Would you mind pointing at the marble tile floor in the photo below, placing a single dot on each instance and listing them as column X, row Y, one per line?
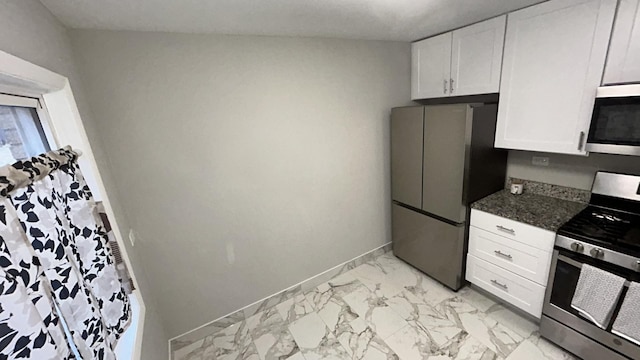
column 382, row 309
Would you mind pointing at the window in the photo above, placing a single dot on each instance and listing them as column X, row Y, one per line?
column 23, row 134
column 62, row 119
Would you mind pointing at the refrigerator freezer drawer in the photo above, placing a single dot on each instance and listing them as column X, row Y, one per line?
column 430, row 245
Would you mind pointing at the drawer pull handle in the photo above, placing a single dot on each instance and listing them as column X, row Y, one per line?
column 500, row 253
column 500, row 285
column 507, row 230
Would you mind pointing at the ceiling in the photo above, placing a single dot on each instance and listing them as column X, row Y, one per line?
column 403, row 20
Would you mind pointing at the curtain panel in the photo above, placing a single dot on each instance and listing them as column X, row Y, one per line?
column 56, row 265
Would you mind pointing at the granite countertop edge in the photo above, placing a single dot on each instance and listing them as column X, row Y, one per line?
column 541, row 211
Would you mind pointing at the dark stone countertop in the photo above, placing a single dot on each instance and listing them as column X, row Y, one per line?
column 545, row 212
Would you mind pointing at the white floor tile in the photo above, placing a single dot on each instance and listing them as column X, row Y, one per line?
column 375, row 311
column 476, row 299
column 492, row 334
column 410, row 343
column 381, row 310
column 294, row 308
column 527, row 350
column 375, row 279
column 309, row 331
column 361, row 342
column 264, row 322
column 232, row 341
column 278, row 344
column 522, row 325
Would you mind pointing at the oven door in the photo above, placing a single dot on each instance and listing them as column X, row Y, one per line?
column 563, row 279
column 615, row 123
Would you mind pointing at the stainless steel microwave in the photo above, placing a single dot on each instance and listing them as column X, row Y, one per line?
column 615, row 123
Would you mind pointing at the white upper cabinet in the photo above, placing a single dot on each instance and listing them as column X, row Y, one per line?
column 463, row 62
column 430, row 67
column 623, row 62
column 553, row 62
column 476, row 58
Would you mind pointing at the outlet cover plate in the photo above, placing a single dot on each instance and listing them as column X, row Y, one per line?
column 540, row 161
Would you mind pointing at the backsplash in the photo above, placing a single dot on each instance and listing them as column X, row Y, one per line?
column 555, row 191
column 569, row 170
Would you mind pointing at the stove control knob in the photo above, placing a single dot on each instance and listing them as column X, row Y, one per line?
column 577, row 247
column 597, row 253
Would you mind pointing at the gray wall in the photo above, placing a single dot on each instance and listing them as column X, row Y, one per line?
column 29, row 31
column 246, row 164
column 568, row 170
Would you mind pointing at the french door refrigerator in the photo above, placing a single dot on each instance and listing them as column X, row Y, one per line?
column 442, row 160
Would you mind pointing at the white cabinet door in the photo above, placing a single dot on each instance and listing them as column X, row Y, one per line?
column 553, row 62
column 430, row 67
column 623, row 62
column 476, row 59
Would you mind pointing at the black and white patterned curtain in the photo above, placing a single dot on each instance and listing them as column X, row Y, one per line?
column 56, row 266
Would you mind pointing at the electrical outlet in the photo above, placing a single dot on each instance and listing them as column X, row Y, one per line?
column 132, row 237
column 540, row 161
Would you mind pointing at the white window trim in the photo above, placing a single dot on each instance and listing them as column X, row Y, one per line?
column 34, row 103
column 15, row 100
column 21, row 77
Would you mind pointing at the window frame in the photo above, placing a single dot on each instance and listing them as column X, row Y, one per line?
column 60, row 111
column 33, row 103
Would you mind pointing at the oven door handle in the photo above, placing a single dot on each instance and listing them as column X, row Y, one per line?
column 570, row 261
column 579, row 265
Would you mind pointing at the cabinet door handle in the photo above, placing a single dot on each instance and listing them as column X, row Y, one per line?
column 500, row 285
column 580, row 141
column 507, row 230
column 451, row 86
column 445, row 85
column 500, row 253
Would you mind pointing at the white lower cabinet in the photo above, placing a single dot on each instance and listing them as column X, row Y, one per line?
column 523, row 233
column 510, row 260
column 514, row 289
column 521, row 259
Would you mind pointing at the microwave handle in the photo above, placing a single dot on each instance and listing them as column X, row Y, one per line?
column 581, row 141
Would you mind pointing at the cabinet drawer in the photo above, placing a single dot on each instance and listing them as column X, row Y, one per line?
column 514, row 289
column 524, row 260
column 526, row 234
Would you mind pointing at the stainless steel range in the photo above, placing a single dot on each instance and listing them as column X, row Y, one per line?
column 605, row 235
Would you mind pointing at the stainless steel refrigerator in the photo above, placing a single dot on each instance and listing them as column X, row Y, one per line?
column 442, row 160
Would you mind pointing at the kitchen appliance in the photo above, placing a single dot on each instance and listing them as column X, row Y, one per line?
column 606, row 234
column 442, row 159
column 615, row 124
